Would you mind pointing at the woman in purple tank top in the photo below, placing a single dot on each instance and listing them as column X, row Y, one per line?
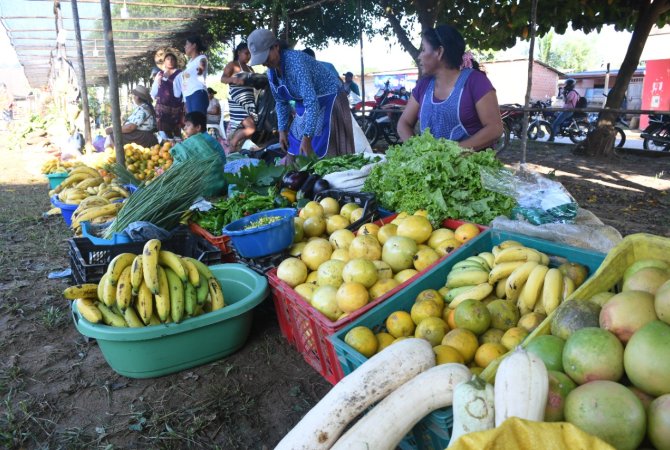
column 454, row 99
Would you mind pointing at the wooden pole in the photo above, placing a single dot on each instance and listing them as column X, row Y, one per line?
column 113, row 81
column 360, row 40
column 524, row 128
column 82, row 73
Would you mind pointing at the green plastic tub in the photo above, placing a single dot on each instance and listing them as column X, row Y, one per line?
column 55, row 179
column 159, row 350
column 434, row 430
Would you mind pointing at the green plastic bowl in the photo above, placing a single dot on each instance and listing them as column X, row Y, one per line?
column 55, row 179
column 159, row 350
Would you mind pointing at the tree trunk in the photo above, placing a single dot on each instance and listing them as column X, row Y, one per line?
column 600, row 141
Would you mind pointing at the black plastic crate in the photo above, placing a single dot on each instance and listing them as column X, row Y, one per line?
column 89, row 261
column 365, row 200
column 261, row 264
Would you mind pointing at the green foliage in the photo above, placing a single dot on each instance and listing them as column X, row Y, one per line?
column 436, row 175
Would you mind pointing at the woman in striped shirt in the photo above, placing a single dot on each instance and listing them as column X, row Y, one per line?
column 241, row 98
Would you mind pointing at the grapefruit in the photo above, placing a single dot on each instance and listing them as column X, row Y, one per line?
column 363, row 340
column 381, row 287
column 325, row 302
column 398, row 252
column 609, row 411
column 311, row 209
column 316, row 252
column 417, row 228
column 341, row 239
column 593, row 354
column 648, row 279
column 404, row 275
column 314, row 226
column 292, row 271
column 662, row 302
column 386, row 231
column 351, row 296
column 360, row 271
column 369, row 228
column 425, row 309
column 336, row 222
column 306, row 291
column 549, row 349
column 383, row 340
column 573, row 315
column 341, row 254
column 400, row 324
column 647, row 358
column 438, row 236
column 560, row 385
column 384, row 271
column 347, row 209
column 330, row 273
column 492, row 336
column 432, row 329
column 627, row 312
column 466, row 232
column 366, row 247
column 445, row 354
column 296, row 249
column 425, row 258
column 504, row 314
column 513, row 337
column 356, row 215
column 658, row 428
column 330, row 206
column 464, row 341
column 488, row 353
column 432, row 295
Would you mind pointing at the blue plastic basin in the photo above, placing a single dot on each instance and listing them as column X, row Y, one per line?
column 66, row 209
column 117, row 238
column 264, row 240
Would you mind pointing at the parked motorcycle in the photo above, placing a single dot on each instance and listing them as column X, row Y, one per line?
column 383, row 117
column 657, row 134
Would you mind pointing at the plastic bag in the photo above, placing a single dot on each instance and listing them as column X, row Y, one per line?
column 586, row 231
column 143, row 231
column 361, row 143
column 521, row 434
column 540, row 200
column 352, row 180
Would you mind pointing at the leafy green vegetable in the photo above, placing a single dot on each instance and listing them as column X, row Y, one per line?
column 256, row 178
column 340, row 163
column 436, row 175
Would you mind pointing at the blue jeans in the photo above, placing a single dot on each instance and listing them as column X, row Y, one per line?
column 562, row 117
column 197, row 101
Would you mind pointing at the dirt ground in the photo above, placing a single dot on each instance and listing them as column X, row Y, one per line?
column 59, row 392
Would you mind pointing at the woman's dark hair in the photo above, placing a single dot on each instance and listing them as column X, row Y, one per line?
column 236, row 53
column 195, row 39
column 310, row 52
column 283, row 44
column 451, row 41
column 150, row 106
column 198, row 119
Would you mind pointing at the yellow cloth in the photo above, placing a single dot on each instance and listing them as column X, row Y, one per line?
column 521, row 434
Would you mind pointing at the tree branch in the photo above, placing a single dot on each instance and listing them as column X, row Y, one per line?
column 399, row 31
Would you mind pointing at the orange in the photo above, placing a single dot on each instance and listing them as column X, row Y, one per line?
column 513, row 337
column 465, row 341
column 351, row 296
column 431, row 294
column 445, row 354
column 383, row 340
column 431, row 329
column 400, row 324
column 472, row 315
column 425, row 309
column 448, row 316
column 466, row 232
column 487, row 353
column 363, row 340
column 491, row 335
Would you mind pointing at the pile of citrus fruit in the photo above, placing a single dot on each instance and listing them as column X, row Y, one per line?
column 147, row 163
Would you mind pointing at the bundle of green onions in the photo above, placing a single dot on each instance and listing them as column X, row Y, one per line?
column 163, row 201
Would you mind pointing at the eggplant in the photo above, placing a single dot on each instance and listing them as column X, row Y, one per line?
column 320, row 186
column 294, row 180
column 307, row 188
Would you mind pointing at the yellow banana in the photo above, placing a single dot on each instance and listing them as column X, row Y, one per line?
column 544, row 259
column 154, row 320
column 162, row 299
column 192, row 272
column 88, row 290
column 136, row 274
column 488, row 256
column 93, row 200
column 202, row 267
column 204, row 272
column 103, row 219
column 509, row 243
column 117, row 265
column 132, row 318
column 101, row 287
column 502, row 270
column 517, row 279
column 118, row 189
column 469, row 264
column 89, row 182
column 109, row 292
column 517, row 254
column 453, row 292
column 90, row 172
column 532, row 290
column 216, row 294
column 479, row 292
column 150, row 265
column 501, row 287
column 88, row 310
column 539, row 306
column 482, row 261
column 552, row 290
column 72, row 179
column 96, row 211
column 495, row 250
column 568, row 287
column 144, row 303
column 124, row 293
column 466, row 277
column 190, row 299
column 176, row 295
column 111, row 318
column 173, row 261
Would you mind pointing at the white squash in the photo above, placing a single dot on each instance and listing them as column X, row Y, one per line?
column 372, row 381
column 473, row 408
column 521, row 387
column 384, row 426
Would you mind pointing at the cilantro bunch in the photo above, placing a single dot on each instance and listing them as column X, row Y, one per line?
column 438, row 176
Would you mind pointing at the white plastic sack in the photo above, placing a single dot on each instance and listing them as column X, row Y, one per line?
column 361, row 144
column 352, row 180
column 587, row 231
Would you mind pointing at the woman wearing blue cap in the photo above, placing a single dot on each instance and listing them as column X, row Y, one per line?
column 322, row 122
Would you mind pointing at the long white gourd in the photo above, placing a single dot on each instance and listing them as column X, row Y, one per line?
column 372, row 381
column 384, row 426
column 521, row 387
column 473, row 408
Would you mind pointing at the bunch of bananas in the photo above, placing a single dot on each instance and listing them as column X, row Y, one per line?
column 84, row 181
column 55, row 165
column 155, row 287
column 516, row 273
column 96, row 210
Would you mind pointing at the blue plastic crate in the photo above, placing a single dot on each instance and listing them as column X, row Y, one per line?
column 433, row 431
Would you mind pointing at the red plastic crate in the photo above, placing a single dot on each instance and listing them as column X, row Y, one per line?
column 307, row 329
column 221, row 242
